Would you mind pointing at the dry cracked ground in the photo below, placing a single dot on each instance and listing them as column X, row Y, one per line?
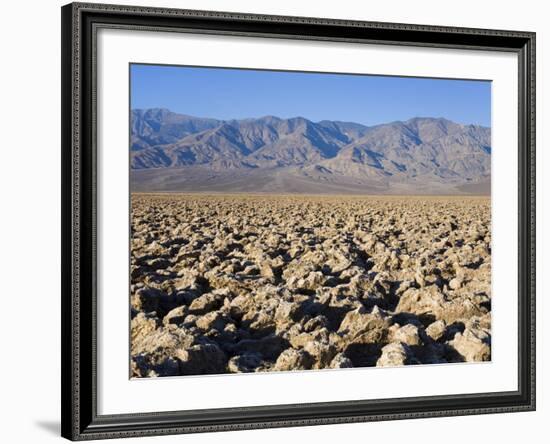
column 236, row 283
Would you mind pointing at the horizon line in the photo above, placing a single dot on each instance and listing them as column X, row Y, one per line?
column 308, row 119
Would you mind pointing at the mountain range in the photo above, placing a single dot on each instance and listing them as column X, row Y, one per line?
column 423, row 155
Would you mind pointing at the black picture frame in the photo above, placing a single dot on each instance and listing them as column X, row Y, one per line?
column 80, row 420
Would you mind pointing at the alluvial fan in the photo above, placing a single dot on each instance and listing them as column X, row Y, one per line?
column 248, row 283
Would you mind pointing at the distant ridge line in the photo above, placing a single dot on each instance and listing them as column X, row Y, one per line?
column 184, row 152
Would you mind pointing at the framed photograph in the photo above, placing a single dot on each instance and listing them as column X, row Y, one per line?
column 279, row 221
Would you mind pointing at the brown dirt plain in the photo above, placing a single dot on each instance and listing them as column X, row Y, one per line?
column 253, row 283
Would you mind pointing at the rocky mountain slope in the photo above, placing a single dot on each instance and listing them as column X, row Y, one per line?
column 174, row 152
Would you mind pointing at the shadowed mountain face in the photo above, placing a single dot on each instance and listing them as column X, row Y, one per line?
column 174, row 152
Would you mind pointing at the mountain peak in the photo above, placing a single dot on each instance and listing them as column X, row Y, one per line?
column 418, row 150
column 268, row 119
column 160, row 112
column 421, row 119
column 431, row 128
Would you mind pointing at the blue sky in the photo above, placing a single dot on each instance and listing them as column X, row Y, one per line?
column 236, row 93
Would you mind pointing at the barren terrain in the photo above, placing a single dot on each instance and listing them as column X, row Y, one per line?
column 172, row 152
column 247, row 283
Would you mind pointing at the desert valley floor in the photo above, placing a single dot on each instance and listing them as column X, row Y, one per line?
column 248, row 283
